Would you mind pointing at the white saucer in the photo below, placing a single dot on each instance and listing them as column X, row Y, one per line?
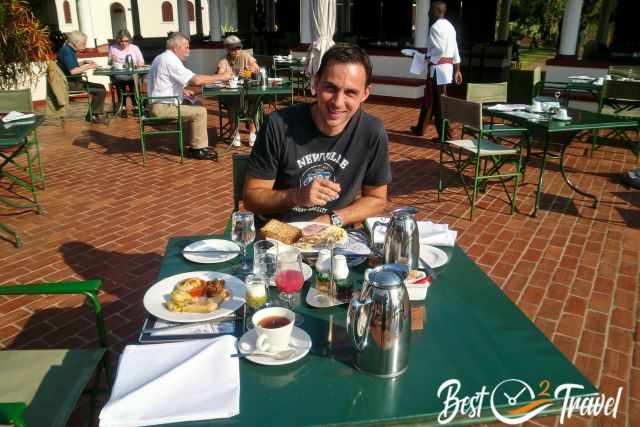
column 300, row 342
column 321, row 300
column 212, row 257
column 435, row 257
column 562, row 119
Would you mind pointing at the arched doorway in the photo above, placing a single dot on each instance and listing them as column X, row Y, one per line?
column 118, row 18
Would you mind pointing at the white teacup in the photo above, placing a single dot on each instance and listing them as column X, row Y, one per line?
column 233, row 83
column 537, row 107
column 274, row 326
column 118, row 66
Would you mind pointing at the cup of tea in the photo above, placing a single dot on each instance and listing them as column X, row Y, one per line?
column 537, row 107
column 117, row 66
column 233, row 83
column 562, row 114
column 274, row 326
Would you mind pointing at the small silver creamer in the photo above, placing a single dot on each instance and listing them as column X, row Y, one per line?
column 402, row 240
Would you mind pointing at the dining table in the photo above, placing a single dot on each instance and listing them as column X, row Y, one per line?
column 13, row 140
column 467, row 331
column 545, row 127
column 242, row 91
column 136, row 74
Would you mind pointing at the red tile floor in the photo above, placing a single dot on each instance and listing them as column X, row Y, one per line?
column 573, row 270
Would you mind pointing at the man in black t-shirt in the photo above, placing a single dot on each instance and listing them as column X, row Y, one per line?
column 328, row 161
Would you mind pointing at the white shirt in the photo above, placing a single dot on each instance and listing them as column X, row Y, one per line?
column 441, row 43
column 168, row 77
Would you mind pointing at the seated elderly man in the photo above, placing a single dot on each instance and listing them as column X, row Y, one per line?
column 240, row 64
column 168, row 77
column 68, row 62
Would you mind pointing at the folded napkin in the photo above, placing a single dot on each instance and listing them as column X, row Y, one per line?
column 430, row 233
column 507, row 107
column 15, row 115
column 174, row 382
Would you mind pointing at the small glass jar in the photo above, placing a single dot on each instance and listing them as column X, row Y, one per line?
column 323, row 271
column 344, row 287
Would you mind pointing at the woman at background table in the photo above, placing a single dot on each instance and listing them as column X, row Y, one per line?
column 243, row 65
column 117, row 55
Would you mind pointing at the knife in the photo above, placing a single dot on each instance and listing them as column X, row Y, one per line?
column 186, row 325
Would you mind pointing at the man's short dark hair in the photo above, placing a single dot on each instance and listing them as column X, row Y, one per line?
column 439, row 7
column 347, row 54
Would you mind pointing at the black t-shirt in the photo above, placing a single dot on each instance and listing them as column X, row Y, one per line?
column 291, row 150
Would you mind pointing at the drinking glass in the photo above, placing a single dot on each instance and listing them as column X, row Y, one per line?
column 256, row 294
column 289, row 277
column 243, row 232
column 265, row 256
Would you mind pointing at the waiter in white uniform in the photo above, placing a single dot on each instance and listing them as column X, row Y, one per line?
column 444, row 67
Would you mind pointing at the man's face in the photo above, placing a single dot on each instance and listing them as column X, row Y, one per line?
column 182, row 49
column 233, row 52
column 340, row 91
column 80, row 45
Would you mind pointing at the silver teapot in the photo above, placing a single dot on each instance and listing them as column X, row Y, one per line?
column 402, row 240
column 379, row 322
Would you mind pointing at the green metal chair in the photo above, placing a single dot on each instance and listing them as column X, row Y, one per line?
column 240, row 164
column 25, row 167
column 84, row 92
column 42, row 387
column 486, row 157
column 147, row 120
column 620, row 98
column 493, row 93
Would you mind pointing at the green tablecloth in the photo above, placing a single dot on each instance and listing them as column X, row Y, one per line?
column 472, row 333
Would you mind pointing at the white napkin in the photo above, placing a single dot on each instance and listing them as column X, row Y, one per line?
column 507, row 107
column 430, row 233
column 16, row 115
column 174, row 382
column 418, row 64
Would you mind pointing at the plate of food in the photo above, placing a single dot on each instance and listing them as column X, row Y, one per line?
column 309, row 237
column 195, row 296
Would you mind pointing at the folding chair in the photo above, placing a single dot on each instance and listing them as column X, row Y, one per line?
column 42, row 387
column 240, row 166
column 493, row 93
column 619, row 98
column 29, row 174
column 486, row 157
column 147, row 120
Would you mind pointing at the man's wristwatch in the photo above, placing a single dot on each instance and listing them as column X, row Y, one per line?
column 335, row 219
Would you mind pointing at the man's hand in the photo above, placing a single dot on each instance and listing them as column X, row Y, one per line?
column 320, row 192
column 188, row 92
column 458, row 77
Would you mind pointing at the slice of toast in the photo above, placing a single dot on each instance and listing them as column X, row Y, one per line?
column 281, row 232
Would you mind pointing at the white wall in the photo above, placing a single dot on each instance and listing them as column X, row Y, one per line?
column 65, row 28
column 151, row 24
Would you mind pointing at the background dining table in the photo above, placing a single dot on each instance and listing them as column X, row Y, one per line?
column 467, row 329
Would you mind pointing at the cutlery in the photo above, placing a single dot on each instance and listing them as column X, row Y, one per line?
column 430, row 270
column 211, row 251
column 279, row 355
column 186, row 325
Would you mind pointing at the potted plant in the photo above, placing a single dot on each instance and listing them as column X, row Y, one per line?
column 24, row 45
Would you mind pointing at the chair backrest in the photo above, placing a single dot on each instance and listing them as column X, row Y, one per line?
column 628, row 71
column 16, row 100
column 487, row 92
column 620, row 89
column 457, row 110
column 240, row 165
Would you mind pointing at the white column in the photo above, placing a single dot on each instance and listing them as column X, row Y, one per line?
column 85, row 21
column 570, row 27
column 305, row 21
column 183, row 17
column 215, row 34
column 422, row 23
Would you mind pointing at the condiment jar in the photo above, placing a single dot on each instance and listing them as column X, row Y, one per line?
column 323, row 271
column 341, row 277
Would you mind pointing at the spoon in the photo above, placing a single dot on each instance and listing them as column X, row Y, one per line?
column 279, row 355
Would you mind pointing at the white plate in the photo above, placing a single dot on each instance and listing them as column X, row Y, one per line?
column 562, row 119
column 211, row 244
column 321, row 300
column 159, row 293
column 435, row 257
column 300, row 342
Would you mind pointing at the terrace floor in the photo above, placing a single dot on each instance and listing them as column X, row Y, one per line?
column 573, row 270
